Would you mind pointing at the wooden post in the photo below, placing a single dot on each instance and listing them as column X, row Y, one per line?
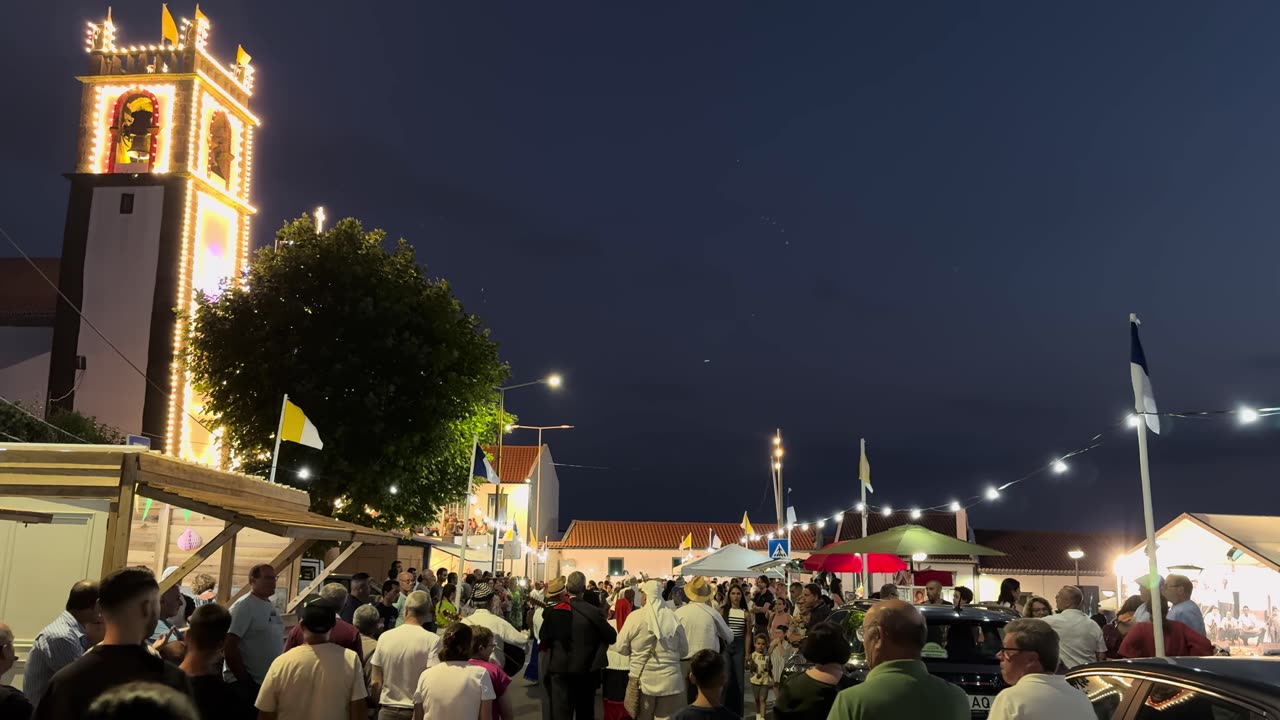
column 226, row 570
column 324, row 574
column 115, row 551
column 280, row 562
column 164, row 521
column 227, row 535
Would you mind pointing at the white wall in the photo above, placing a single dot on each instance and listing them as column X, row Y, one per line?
column 24, row 363
column 120, row 260
column 594, row 563
column 547, row 504
column 40, row 562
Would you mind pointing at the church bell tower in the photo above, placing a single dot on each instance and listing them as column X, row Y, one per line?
column 159, row 211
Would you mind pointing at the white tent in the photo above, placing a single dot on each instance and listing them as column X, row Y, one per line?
column 728, row 561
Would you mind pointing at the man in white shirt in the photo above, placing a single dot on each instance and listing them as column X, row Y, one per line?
column 1028, row 660
column 317, row 680
column 256, row 635
column 1177, row 589
column 704, row 628
column 1079, row 638
column 503, row 632
column 401, row 657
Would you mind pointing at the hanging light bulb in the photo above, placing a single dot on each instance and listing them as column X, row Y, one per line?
column 886, row 511
column 1247, row 415
column 804, row 527
column 1059, row 466
column 860, row 507
column 915, row 514
column 954, row 506
column 1131, row 421
column 992, row 492
column 821, row 523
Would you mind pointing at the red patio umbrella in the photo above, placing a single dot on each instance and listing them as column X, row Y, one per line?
column 852, row 563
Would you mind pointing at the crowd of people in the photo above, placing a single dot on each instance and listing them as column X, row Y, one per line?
column 435, row 646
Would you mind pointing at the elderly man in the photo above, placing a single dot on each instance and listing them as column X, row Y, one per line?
column 64, row 640
column 318, row 680
column 332, row 596
column 888, row 591
column 704, row 628
column 13, row 704
column 482, row 598
column 360, row 594
column 256, row 634
column 400, row 658
column 899, row 684
column 406, row 581
column 1177, row 589
column 1079, row 638
column 1028, row 661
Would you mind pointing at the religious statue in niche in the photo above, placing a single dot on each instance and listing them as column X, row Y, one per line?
column 220, row 156
column 135, row 133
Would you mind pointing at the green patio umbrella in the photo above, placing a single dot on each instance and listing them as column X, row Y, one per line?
column 907, row 540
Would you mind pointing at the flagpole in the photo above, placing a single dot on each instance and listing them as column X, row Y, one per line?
column 275, row 454
column 466, row 517
column 866, row 559
column 1157, row 603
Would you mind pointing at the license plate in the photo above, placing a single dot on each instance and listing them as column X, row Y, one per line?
column 980, row 702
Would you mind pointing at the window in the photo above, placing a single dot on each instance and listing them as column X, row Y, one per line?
column 1166, row 701
column 675, row 561
column 1104, row 691
column 616, row 567
column 126, row 203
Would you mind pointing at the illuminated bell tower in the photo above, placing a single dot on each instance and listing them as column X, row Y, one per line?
column 159, row 211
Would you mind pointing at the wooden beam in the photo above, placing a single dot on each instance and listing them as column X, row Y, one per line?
column 200, row 555
column 25, row 516
column 324, row 575
column 227, row 568
column 315, row 533
column 279, row 562
column 164, row 522
column 92, row 491
column 212, row 510
column 115, row 551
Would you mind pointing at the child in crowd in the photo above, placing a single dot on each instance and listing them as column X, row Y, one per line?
column 761, row 673
column 707, row 673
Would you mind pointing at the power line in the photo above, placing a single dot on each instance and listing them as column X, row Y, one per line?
column 41, row 420
column 93, row 327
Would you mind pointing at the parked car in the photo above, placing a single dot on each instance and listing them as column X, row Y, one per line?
column 961, row 648
column 1183, row 688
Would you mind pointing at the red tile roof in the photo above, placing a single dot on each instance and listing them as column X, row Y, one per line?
column 26, row 300
column 668, row 535
column 517, row 462
column 941, row 522
column 1044, row 552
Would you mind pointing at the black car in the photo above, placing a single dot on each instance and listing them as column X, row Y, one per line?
column 961, row 648
column 1184, row 688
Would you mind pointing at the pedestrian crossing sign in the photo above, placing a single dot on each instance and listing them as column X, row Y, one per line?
column 780, row 548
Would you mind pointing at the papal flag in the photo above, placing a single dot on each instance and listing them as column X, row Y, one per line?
column 687, row 542
column 295, row 427
column 746, row 525
column 242, row 57
column 168, row 28
column 1144, row 399
column 864, row 467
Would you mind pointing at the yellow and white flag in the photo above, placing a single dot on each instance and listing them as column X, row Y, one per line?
column 746, row 525
column 687, row 542
column 295, row 427
column 864, row 468
column 242, row 57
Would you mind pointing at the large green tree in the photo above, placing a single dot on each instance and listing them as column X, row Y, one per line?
column 396, row 377
column 20, row 423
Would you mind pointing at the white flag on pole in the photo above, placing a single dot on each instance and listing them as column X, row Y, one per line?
column 1144, row 399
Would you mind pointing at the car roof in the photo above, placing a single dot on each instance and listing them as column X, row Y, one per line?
column 1260, row 672
column 974, row 613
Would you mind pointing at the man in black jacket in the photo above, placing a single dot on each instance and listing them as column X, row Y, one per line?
column 577, row 636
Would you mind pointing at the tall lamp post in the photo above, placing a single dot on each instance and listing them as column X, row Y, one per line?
column 552, row 381
column 535, row 494
column 1076, row 555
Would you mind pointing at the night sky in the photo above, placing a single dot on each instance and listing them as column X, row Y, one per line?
column 920, row 223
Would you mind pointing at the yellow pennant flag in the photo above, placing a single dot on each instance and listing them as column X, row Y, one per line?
column 746, row 525
column 864, row 468
column 295, row 427
column 687, row 542
column 168, row 28
column 242, row 57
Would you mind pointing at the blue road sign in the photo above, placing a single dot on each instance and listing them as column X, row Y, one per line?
column 779, row 548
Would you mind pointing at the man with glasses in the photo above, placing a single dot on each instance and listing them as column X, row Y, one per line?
column 1177, row 589
column 1028, row 660
column 899, row 684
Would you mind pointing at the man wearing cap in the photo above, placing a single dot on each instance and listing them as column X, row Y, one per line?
column 577, row 637
column 704, row 628
column 482, row 603
column 317, row 680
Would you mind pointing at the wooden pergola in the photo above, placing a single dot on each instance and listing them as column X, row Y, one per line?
column 119, row 474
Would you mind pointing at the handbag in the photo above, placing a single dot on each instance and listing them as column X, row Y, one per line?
column 631, row 700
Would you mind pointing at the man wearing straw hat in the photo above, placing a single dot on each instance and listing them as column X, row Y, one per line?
column 704, row 628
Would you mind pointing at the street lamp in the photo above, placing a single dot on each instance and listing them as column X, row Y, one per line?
column 1076, row 555
column 552, row 381
column 536, row 491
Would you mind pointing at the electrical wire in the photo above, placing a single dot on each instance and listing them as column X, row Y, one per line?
column 41, row 420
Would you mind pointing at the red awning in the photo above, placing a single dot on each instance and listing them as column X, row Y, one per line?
column 853, row 563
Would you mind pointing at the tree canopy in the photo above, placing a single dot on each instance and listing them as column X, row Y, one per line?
column 19, row 423
column 396, row 377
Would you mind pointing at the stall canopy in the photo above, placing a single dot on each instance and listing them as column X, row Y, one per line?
column 728, row 561
column 908, row 540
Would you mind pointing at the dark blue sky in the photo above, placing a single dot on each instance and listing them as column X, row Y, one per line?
column 922, row 224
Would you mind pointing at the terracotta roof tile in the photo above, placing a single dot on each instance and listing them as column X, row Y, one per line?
column 517, row 462
column 668, row 535
column 941, row 522
column 1044, row 552
column 26, row 300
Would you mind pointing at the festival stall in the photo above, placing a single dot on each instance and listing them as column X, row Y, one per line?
column 728, row 561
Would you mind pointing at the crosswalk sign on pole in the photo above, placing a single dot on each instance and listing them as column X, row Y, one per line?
column 779, row 548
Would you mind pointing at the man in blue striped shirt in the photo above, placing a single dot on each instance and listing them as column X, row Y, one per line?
column 64, row 640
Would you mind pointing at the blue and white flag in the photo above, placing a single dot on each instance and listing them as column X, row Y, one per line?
column 1144, row 399
column 480, row 466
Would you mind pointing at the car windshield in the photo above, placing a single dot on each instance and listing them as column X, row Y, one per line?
column 957, row 640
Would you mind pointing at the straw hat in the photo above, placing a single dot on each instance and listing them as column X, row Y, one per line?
column 699, row 589
column 556, row 586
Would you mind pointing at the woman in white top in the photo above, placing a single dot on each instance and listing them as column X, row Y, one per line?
column 655, row 643
column 742, row 622
column 455, row 689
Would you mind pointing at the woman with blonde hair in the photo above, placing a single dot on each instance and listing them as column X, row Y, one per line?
column 1037, row 607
